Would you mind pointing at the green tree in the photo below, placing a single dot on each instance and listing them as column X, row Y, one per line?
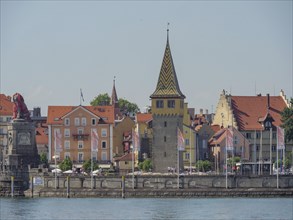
column 233, row 160
column 146, row 165
column 127, row 107
column 66, row 164
column 124, row 105
column 44, row 159
column 102, row 99
column 87, row 165
column 287, row 121
column 288, row 161
column 203, row 165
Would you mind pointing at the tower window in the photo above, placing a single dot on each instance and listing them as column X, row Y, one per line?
column 160, row 104
column 165, row 124
column 165, row 138
column 171, row 103
column 165, row 154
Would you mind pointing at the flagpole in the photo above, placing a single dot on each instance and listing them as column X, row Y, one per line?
column 284, row 157
column 80, row 97
column 277, row 159
column 55, row 159
column 277, row 167
column 254, row 153
column 178, row 167
column 271, row 150
column 132, row 164
column 132, row 158
column 92, row 168
column 190, row 150
column 226, row 159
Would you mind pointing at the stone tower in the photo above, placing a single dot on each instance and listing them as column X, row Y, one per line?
column 167, row 103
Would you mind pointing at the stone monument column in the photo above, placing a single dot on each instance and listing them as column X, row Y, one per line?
column 22, row 150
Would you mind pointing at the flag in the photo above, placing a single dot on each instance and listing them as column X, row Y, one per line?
column 94, row 140
column 280, row 138
column 135, row 140
column 229, row 136
column 81, row 95
column 58, row 139
column 180, row 140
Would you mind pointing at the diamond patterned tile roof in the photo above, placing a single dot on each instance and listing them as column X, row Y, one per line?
column 167, row 86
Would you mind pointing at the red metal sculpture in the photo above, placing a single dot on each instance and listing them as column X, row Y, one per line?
column 20, row 110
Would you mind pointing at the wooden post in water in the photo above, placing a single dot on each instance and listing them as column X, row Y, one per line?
column 12, row 186
column 123, row 187
column 68, row 187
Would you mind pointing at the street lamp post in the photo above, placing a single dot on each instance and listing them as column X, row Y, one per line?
column 55, row 157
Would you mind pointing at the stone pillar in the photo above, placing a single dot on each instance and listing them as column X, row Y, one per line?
column 22, row 148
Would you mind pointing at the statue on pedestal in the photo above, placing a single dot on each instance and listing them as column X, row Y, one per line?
column 20, row 110
column 22, row 149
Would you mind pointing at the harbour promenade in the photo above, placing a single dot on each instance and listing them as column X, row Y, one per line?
column 160, row 185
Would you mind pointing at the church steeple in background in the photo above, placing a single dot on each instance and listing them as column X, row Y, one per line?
column 114, row 97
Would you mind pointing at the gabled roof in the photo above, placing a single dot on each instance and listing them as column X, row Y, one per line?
column 6, row 105
column 125, row 157
column 248, row 110
column 167, row 86
column 57, row 113
column 143, row 117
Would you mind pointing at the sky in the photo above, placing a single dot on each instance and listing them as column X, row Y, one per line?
column 52, row 49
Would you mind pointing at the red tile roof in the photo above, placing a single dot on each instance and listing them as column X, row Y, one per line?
column 215, row 128
column 41, row 136
column 143, row 117
column 6, row 105
column 55, row 113
column 125, row 157
column 248, row 109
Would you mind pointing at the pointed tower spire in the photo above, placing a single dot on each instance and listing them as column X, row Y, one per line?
column 114, row 97
column 167, row 85
column 168, row 32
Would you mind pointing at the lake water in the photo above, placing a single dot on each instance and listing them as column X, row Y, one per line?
column 146, row 208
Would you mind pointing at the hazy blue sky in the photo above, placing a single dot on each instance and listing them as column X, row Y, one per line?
column 51, row 49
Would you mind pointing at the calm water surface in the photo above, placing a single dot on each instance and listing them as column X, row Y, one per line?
column 136, row 208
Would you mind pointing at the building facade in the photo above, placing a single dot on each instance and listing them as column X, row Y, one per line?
column 251, row 115
column 75, row 124
column 6, row 113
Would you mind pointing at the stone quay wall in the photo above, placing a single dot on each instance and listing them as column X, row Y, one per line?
column 152, row 186
column 169, row 182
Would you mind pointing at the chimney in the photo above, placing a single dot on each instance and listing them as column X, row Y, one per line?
column 268, row 101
